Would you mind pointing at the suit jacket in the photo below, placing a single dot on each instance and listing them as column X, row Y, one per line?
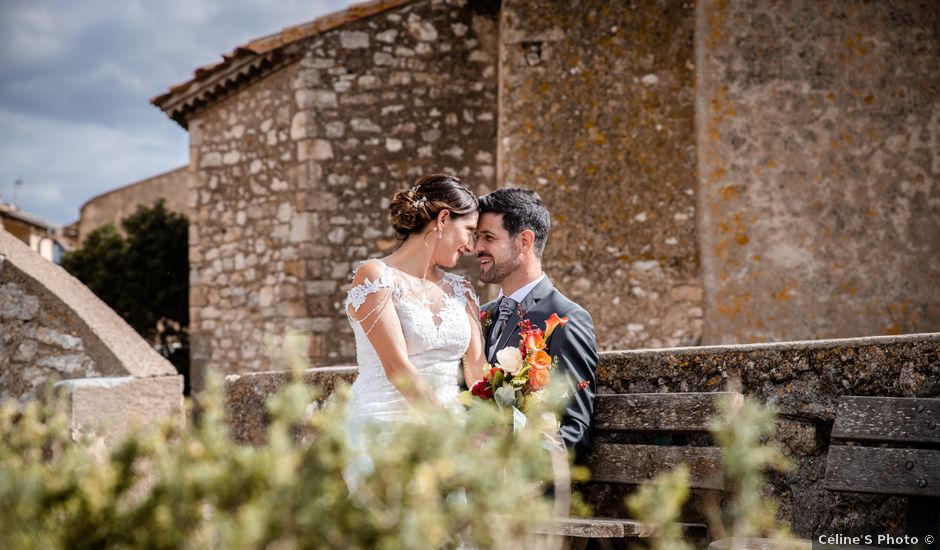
column 573, row 344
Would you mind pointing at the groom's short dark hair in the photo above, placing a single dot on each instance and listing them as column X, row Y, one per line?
column 521, row 209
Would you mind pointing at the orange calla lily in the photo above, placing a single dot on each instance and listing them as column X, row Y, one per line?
column 534, row 341
column 540, row 360
column 553, row 323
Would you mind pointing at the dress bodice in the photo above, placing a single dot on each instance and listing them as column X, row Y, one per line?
column 435, row 326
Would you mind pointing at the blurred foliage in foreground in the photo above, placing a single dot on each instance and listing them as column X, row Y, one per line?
column 742, row 430
column 439, row 481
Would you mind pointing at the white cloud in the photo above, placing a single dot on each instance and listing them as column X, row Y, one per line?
column 63, row 164
column 76, row 78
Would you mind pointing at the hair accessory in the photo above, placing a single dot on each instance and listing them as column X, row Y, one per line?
column 415, row 200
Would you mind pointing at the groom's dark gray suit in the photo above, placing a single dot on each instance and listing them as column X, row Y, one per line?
column 573, row 344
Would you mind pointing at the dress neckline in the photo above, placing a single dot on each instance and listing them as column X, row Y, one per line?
column 414, row 279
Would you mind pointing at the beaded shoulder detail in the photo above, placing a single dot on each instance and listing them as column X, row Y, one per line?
column 358, row 294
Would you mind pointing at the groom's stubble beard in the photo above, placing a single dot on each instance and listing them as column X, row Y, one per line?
column 499, row 270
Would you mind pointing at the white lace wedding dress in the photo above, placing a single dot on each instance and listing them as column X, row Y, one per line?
column 437, row 332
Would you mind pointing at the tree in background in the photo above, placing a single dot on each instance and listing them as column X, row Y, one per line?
column 143, row 277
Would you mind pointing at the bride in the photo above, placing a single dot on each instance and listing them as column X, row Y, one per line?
column 413, row 321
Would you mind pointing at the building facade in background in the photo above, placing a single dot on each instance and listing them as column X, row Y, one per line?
column 713, row 177
column 50, row 240
column 112, row 207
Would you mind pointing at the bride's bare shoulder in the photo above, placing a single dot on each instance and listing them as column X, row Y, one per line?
column 369, row 270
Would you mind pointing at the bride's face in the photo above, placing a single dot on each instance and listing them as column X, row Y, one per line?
column 456, row 239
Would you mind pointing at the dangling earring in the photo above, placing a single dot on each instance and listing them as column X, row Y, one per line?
column 440, row 233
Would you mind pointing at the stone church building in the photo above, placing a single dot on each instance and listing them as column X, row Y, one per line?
column 717, row 172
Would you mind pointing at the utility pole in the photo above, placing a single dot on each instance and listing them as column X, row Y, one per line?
column 16, row 190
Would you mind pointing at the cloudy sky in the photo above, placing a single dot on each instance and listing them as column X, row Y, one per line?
column 76, row 79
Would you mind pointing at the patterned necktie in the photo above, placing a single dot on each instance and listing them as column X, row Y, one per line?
column 506, row 308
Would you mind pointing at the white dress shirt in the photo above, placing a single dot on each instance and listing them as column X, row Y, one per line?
column 520, row 295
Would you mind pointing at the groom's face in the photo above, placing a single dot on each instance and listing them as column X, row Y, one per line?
column 498, row 251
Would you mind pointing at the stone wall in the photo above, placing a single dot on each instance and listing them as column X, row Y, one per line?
column 819, row 156
column 114, row 206
column 804, row 380
column 37, row 344
column 596, row 114
column 294, row 173
column 246, row 395
column 54, row 329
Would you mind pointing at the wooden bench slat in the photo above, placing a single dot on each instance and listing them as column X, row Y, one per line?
column 608, row 528
column 888, row 419
column 636, row 464
column 883, row 471
column 593, row 528
column 764, row 544
column 658, row 412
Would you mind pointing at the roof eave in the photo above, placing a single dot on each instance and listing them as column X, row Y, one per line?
column 255, row 60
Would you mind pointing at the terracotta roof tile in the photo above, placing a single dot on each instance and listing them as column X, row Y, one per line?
column 248, row 62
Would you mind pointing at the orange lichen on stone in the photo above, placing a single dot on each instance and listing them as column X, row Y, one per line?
column 716, row 20
column 730, row 193
column 856, row 44
column 717, row 174
column 783, row 295
column 738, row 303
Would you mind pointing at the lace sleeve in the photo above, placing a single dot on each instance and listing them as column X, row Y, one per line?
column 358, row 294
column 373, row 287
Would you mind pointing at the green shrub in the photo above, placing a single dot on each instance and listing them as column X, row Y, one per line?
column 439, row 481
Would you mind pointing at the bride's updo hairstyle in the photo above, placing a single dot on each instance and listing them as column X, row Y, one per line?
column 413, row 209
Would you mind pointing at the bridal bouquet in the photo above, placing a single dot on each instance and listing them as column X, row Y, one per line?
column 520, row 374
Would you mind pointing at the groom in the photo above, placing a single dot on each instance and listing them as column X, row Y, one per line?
column 511, row 235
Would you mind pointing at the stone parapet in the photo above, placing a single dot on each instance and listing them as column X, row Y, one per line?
column 245, row 397
column 803, row 379
column 53, row 327
column 110, row 407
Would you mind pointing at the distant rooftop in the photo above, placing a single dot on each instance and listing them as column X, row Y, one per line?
column 11, row 211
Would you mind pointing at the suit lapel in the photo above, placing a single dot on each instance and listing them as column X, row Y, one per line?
column 512, row 333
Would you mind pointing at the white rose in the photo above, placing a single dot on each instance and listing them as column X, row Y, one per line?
column 509, row 359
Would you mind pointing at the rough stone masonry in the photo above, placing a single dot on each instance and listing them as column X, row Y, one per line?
column 294, row 173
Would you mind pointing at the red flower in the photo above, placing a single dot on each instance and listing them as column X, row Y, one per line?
column 583, row 384
column 482, row 389
column 525, row 326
